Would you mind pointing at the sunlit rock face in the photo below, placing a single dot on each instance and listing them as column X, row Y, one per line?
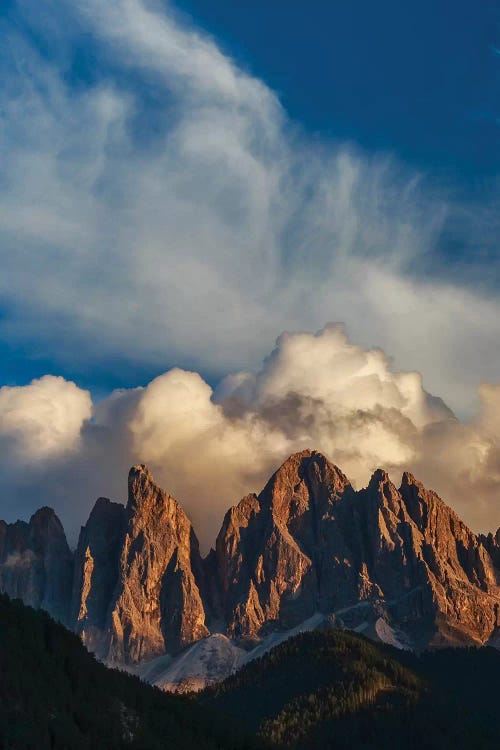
column 455, row 567
column 157, row 605
column 391, row 562
column 36, row 564
column 310, row 543
column 135, row 590
column 271, row 549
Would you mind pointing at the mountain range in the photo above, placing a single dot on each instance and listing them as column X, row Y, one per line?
column 396, row 564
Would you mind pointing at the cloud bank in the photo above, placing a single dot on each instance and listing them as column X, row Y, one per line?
column 162, row 210
column 159, row 208
column 210, row 448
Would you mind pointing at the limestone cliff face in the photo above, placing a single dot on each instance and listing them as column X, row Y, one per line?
column 97, row 560
column 455, row 566
column 271, row 548
column 36, row 563
column 157, row 604
column 310, row 543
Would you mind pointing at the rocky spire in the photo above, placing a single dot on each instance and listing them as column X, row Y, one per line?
column 491, row 542
column 157, row 603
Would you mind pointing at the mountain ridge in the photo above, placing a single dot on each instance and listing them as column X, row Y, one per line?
column 307, row 543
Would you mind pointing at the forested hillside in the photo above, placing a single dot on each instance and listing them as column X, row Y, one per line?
column 55, row 695
column 335, row 689
column 324, row 689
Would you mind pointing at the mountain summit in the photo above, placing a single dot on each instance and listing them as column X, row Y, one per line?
column 139, row 565
column 310, row 543
column 394, row 563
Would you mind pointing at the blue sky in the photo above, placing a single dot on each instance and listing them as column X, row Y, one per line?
column 421, row 80
column 418, row 86
column 183, row 182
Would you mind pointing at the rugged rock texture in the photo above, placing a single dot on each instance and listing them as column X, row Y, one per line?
column 270, row 549
column 396, row 564
column 492, row 544
column 36, row 563
column 137, row 576
column 97, row 560
column 454, row 566
column 157, row 604
column 310, row 543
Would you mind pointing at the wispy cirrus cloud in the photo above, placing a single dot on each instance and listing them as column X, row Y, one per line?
column 195, row 242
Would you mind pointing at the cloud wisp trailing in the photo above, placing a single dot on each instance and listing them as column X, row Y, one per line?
column 162, row 210
column 190, row 230
column 210, row 448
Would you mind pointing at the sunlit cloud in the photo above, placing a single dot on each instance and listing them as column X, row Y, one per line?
column 209, row 449
column 192, row 244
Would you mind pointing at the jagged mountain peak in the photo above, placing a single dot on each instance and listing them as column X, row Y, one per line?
column 378, row 477
column 305, row 478
column 307, row 544
column 145, row 495
column 46, row 523
column 103, row 504
column 45, row 514
column 140, row 475
column 140, row 470
column 36, row 562
column 308, row 460
column 409, row 480
column 381, row 492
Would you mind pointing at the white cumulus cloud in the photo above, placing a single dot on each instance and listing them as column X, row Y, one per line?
column 210, row 448
column 42, row 420
column 167, row 212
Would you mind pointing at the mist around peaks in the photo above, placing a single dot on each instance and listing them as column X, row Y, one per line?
column 210, row 447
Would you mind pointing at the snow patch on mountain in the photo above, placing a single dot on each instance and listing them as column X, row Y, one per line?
column 211, row 659
column 389, row 635
column 205, row 662
column 214, row 658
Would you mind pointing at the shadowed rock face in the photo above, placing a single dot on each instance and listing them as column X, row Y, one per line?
column 308, row 543
column 97, row 560
column 492, row 544
column 36, row 564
